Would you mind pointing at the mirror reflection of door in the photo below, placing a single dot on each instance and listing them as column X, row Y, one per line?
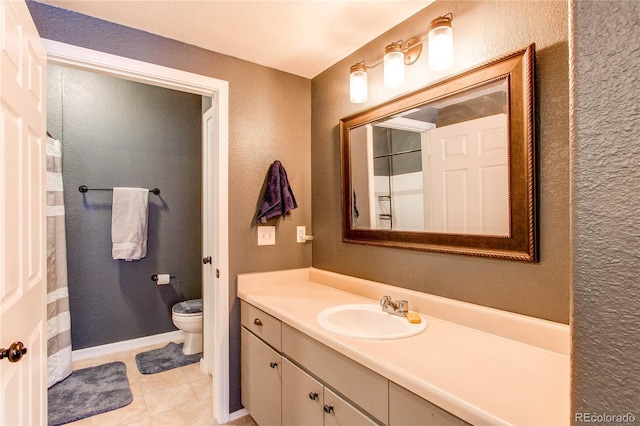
column 468, row 178
column 441, row 167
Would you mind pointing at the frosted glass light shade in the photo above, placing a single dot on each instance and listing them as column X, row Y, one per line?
column 393, row 66
column 359, row 89
column 440, row 44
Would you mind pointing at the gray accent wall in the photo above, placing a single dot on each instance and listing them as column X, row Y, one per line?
column 121, row 133
column 605, row 165
column 269, row 119
column 482, row 30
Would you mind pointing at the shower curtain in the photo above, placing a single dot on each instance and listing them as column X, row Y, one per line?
column 58, row 316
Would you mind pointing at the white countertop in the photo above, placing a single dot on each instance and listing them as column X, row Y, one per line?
column 481, row 377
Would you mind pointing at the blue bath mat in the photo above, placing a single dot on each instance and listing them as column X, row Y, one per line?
column 163, row 359
column 88, row 392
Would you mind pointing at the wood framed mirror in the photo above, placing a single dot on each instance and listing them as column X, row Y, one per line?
column 448, row 168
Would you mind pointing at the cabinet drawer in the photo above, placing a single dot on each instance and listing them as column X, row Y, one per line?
column 261, row 324
column 407, row 408
column 367, row 389
column 261, row 379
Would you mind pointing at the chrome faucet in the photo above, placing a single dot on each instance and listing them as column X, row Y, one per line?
column 397, row 307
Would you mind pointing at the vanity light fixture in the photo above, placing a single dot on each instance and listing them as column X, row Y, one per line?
column 399, row 53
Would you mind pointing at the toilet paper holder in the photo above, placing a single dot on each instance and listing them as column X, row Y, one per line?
column 154, row 277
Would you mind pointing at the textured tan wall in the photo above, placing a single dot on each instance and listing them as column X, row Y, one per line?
column 482, row 31
column 269, row 119
column 605, row 156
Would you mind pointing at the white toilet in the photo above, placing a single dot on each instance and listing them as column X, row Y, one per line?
column 187, row 316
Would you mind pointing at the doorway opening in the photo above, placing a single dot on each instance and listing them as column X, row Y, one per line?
column 214, row 191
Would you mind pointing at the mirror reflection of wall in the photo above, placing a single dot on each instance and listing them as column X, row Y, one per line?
column 440, row 167
column 398, row 179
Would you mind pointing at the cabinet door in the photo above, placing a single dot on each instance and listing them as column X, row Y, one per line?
column 302, row 397
column 338, row 412
column 261, row 380
column 366, row 388
column 407, row 408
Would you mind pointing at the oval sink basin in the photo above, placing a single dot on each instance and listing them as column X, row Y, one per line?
column 364, row 321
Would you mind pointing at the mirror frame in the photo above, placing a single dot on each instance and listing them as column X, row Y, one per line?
column 518, row 69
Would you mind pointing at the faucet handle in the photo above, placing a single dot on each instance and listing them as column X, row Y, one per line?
column 385, row 301
column 403, row 306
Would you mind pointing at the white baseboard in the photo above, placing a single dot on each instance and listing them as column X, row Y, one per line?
column 236, row 415
column 204, row 366
column 172, row 336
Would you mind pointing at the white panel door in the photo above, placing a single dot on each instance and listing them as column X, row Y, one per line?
column 22, row 216
column 469, row 177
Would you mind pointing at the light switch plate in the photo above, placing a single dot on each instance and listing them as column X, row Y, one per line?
column 266, row 235
column 301, row 232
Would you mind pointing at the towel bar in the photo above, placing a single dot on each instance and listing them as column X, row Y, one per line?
column 84, row 188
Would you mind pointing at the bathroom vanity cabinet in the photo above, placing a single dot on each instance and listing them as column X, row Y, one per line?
column 290, row 378
column 471, row 364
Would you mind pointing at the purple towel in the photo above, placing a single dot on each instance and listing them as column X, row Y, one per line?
column 278, row 198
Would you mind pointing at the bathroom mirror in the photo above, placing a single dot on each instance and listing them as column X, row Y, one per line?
column 447, row 168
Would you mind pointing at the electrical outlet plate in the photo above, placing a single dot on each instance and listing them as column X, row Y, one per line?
column 266, row 235
column 301, row 232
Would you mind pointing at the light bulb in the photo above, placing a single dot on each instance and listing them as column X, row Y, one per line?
column 358, row 83
column 393, row 66
column 440, row 44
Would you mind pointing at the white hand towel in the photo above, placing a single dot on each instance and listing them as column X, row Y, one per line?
column 129, row 223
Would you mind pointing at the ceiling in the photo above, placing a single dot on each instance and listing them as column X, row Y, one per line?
column 295, row 36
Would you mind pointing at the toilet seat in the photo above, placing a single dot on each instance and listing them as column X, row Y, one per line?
column 188, row 308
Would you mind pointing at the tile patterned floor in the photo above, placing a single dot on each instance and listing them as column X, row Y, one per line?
column 182, row 396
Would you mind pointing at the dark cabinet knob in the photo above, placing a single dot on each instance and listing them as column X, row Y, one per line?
column 206, row 260
column 273, row 364
column 313, row 395
column 328, row 409
column 257, row 321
